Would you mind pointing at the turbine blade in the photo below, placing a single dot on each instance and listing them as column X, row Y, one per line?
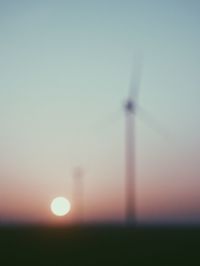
column 108, row 120
column 135, row 78
column 153, row 123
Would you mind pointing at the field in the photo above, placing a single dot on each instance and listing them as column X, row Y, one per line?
column 100, row 245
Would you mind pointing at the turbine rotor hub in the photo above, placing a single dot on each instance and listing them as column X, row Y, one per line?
column 129, row 106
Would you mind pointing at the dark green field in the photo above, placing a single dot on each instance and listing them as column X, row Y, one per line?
column 100, row 245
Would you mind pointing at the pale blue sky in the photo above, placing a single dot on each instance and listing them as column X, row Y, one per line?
column 65, row 71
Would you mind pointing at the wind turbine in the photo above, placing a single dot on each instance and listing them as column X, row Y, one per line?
column 130, row 111
column 78, row 194
column 131, row 107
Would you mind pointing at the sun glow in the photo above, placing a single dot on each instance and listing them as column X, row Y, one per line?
column 60, row 206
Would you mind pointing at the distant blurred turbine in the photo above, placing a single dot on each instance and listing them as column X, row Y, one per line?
column 78, row 194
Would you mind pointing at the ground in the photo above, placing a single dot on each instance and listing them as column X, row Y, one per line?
column 100, row 245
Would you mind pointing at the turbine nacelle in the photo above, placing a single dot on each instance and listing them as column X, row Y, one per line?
column 129, row 106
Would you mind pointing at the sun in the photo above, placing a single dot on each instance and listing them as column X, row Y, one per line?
column 60, row 206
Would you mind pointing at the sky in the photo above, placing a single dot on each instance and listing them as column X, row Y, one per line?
column 65, row 71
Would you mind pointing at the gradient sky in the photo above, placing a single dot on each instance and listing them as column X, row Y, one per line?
column 65, row 73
